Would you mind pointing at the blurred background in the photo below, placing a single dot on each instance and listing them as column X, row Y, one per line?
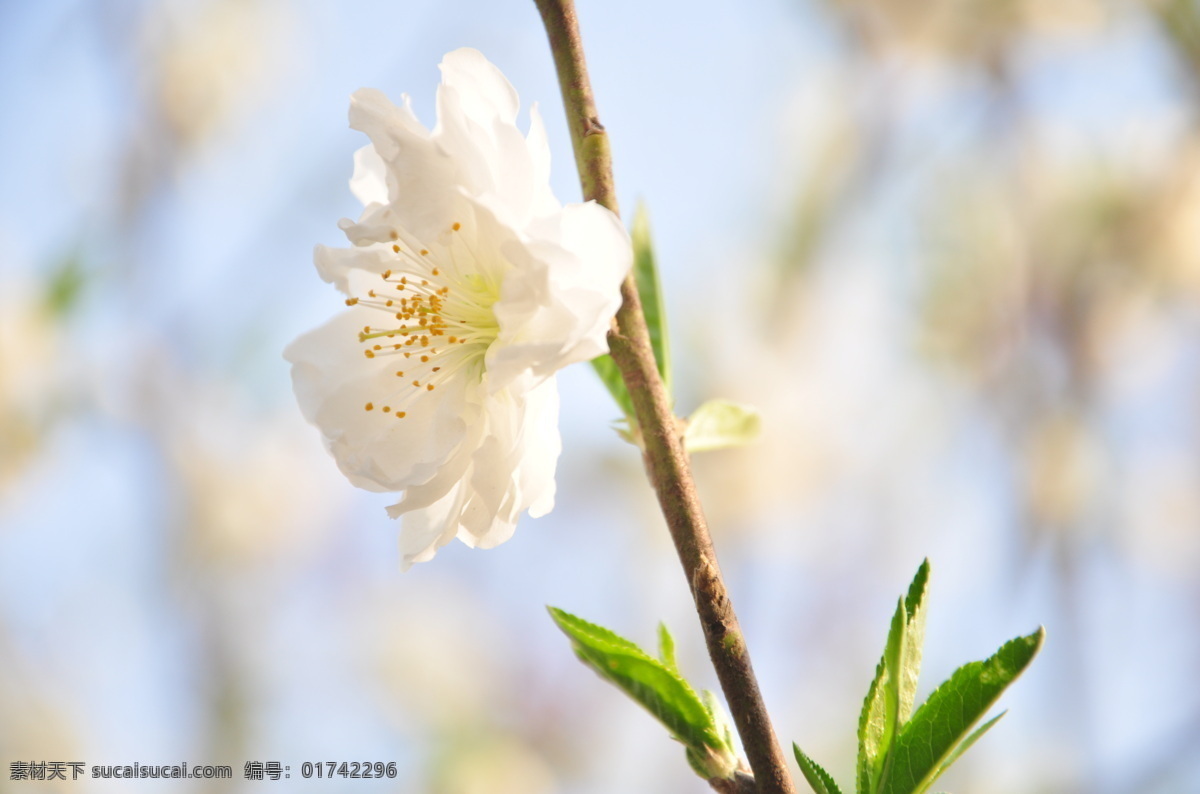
column 950, row 248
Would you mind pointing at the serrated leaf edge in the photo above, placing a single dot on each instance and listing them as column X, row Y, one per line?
column 965, row 745
column 914, row 641
column 711, row 734
column 939, row 764
column 666, row 648
column 820, row 780
column 893, row 690
column 864, row 765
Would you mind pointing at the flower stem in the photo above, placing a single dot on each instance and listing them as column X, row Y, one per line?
column 666, row 461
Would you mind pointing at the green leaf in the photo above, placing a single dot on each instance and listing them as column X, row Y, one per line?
column 914, row 640
column 966, row 744
column 610, row 376
column 818, row 778
column 720, row 719
column 666, row 648
column 658, row 688
column 870, row 733
column 882, row 711
column 645, row 274
column 899, row 754
column 928, row 742
column 890, row 697
column 720, row 423
column 697, row 761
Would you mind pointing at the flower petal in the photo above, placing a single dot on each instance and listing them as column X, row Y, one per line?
column 477, row 111
column 447, row 477
column 335, row 264
column 484, row 93
column 376, row 451
column 543, row 200
column 513, row 469
column 425, row 531
column 461, row 223
column 422, row 178
column 370, row 181
column 543, row 445
column 557, row 304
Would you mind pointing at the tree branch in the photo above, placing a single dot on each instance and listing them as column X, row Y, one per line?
column 666, row 461
column 740, row 783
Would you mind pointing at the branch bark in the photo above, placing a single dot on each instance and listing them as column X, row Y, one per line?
column 666, row 460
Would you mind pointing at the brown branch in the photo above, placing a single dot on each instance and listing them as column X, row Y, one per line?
column 740, row 783
column 666, row 461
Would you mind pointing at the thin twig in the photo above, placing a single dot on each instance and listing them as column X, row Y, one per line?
column 666, row 461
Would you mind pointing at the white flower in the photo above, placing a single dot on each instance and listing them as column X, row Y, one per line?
column 469, row 286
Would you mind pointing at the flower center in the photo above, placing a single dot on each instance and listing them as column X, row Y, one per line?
column 439, row 318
